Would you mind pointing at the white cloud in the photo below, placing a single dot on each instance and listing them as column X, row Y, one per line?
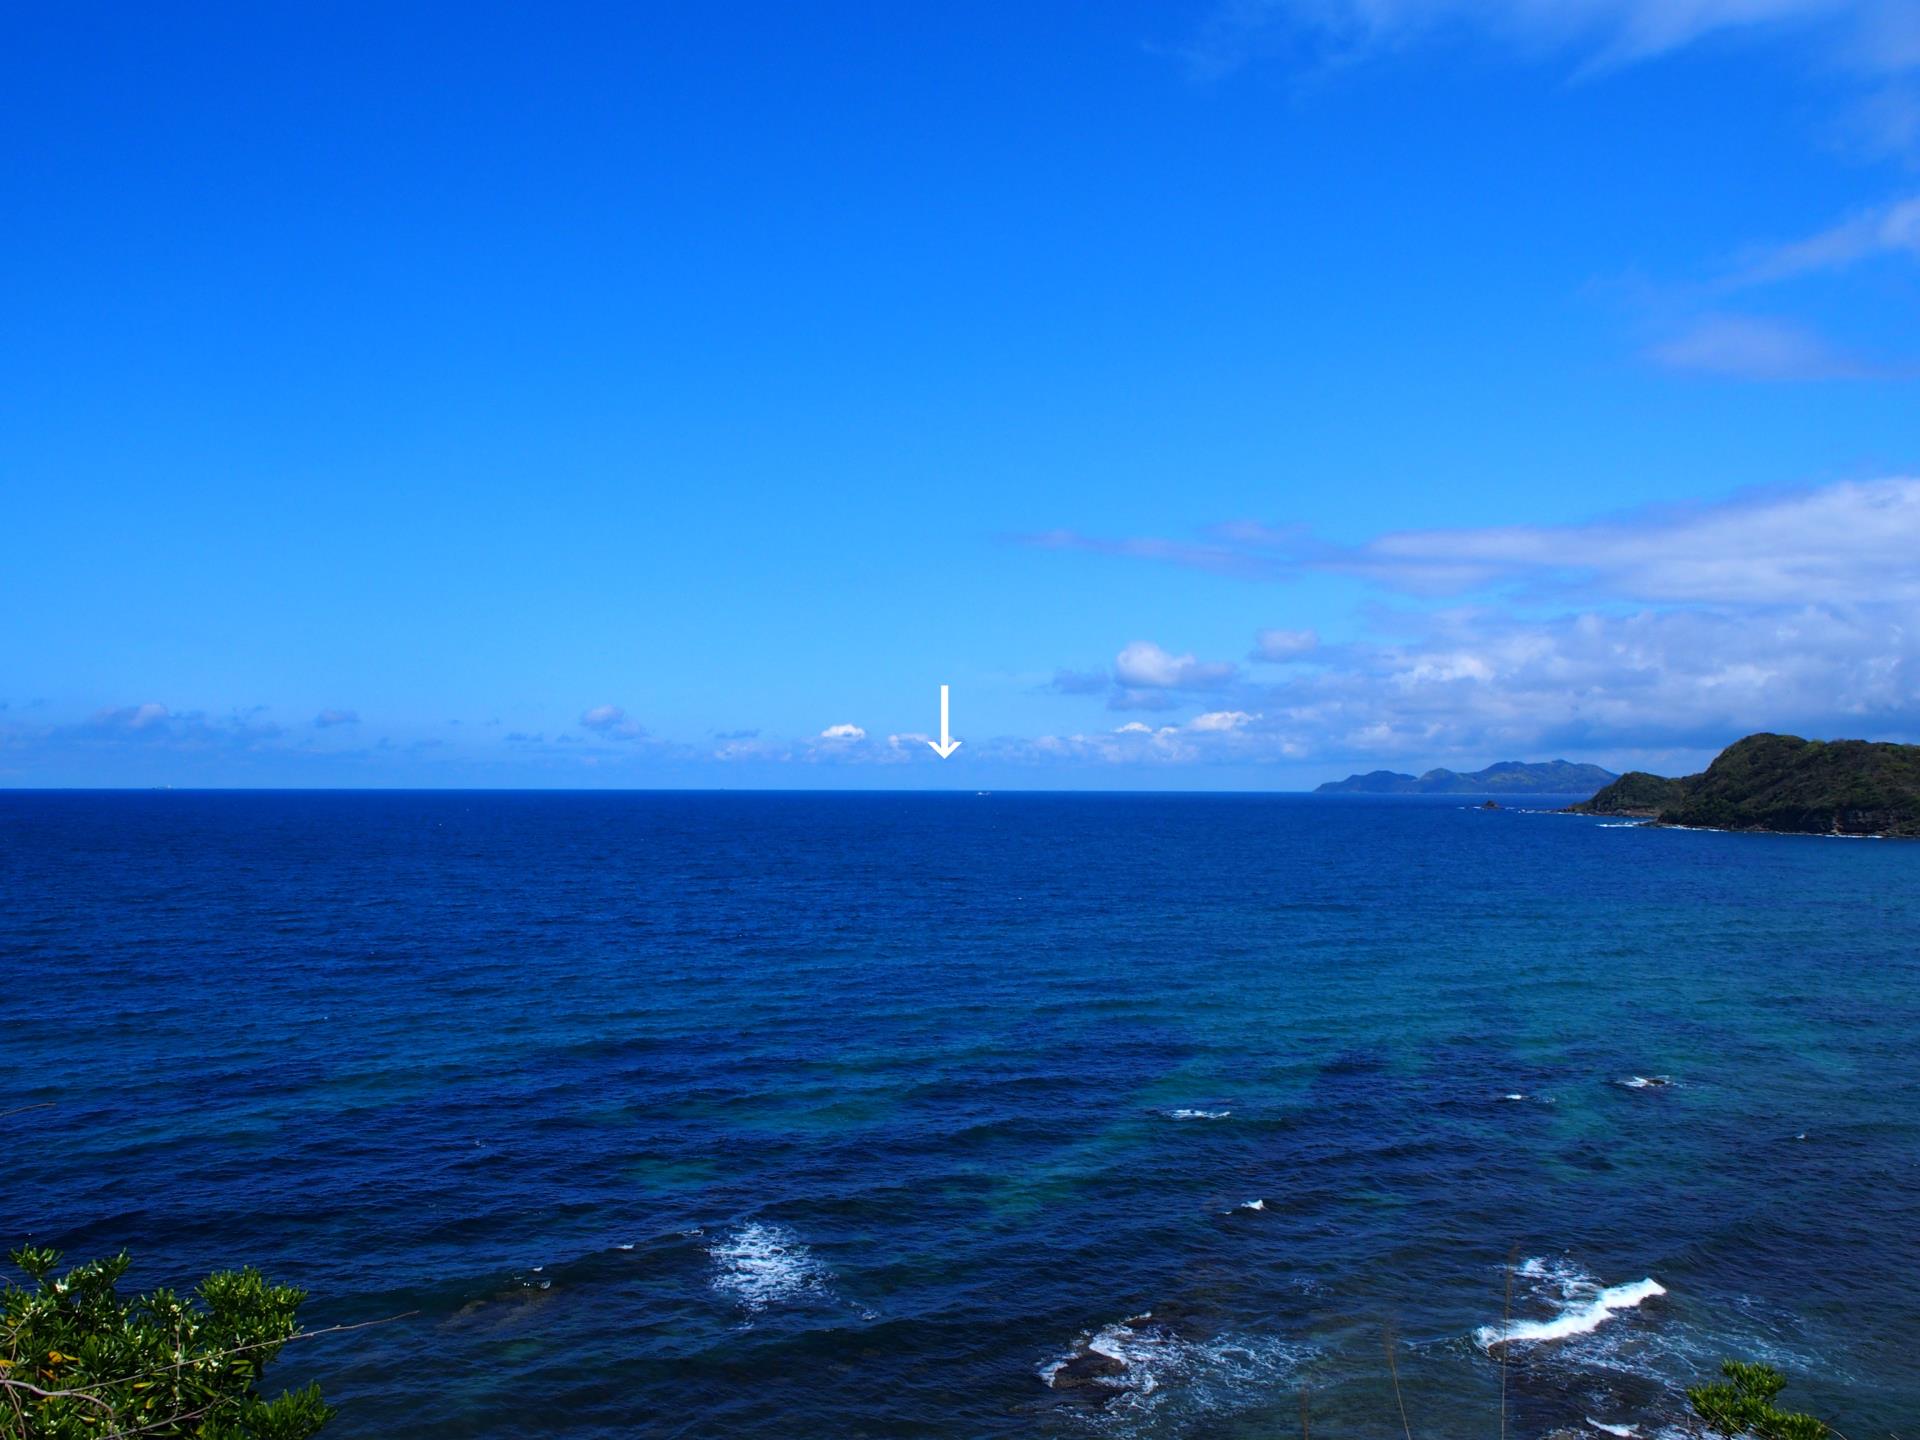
column 1277, row 646
column 150, row 726
column 1477, row 685
column 1145, row 666
column 330, row 717
column 1853, row 540
column 1746, row 347
column 1483, row 681
column 1846, row 541
column 841, row 744
column 1220, row 722
column 1677, row 630
column 1147, row 677
column 1867, row 50
column 611, row 722
column 1890, row 229
column 1604, row 32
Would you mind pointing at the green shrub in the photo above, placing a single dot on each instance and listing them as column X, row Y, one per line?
column 1743, row 1405
column 77, row 1362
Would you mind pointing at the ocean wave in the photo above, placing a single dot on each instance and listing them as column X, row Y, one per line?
column 1145, row 1365
column 1647, row 1082
column 1196, row 1114
column 762, row 1265
column 1624, row 1431
column 1581, row 1304
column 1668, row 1355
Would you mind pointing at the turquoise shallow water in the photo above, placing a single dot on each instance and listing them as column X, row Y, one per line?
column 773, row 1115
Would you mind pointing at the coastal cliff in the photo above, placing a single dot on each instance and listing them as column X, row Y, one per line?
column 1782, row 783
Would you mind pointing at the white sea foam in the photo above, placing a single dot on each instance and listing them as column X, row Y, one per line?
column 1624, row 1431
column 1646, row 1082
column 1198, row 1114
column 1159, row 1367
column 761, row 1265
column 1253, row 1204
column 1656, row 1352
column 1584, row 1308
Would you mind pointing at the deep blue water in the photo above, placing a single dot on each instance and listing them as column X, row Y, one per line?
column 727, row 1115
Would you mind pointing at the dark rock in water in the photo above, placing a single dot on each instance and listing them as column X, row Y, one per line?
column 1783, row 783
column 1089, row 1367
column 1492, row 805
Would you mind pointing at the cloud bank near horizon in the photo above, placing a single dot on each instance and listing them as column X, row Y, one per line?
column 1663, row 631
column 1669, row 628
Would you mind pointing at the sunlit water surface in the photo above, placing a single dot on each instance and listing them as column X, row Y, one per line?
column 970, row 1116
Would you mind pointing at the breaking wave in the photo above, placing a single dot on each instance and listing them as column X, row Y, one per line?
column 762, row 1265
column 1582, row 1305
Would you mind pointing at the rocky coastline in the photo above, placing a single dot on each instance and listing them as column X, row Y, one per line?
column 1780, row 784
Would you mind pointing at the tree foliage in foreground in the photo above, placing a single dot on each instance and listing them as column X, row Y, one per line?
column 1743, row 1405
column 78, row 1362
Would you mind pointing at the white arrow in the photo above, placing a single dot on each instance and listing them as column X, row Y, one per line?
column 947, row 744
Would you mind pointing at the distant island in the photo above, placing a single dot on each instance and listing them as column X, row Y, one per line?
column 1781, row 783
column 1509, row 777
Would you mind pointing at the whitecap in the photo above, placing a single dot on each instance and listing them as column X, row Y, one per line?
column 1579, row 1315
column 1624, row 1431
column 761, row 1265
column 1646, row 1082
column 1198, row 1114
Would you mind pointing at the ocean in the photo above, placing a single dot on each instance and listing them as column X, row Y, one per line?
column 979, row 1115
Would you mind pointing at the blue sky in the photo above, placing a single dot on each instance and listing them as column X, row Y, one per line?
column 1213, row 394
